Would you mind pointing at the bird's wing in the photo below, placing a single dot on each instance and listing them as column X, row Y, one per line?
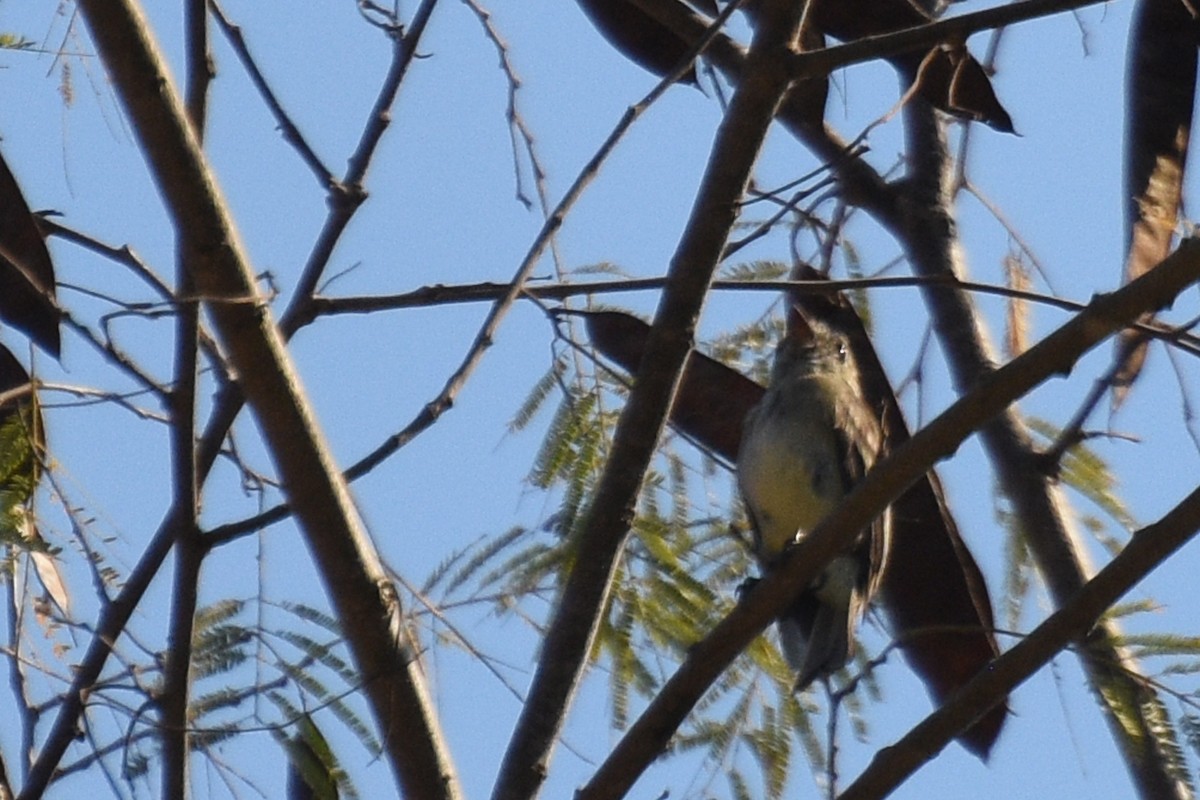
column 861, row 439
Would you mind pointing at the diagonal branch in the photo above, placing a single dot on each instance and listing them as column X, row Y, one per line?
column 345, row 197
column 577, row 616
column 957, row 28
column 647, row 738
column 349, row 194
column 504, row 299
column 1074, row 622
column 689, row 25
column 921, row 222
column 287, row 126
column 1132, row 709
column 116, row 614
column 358, row 586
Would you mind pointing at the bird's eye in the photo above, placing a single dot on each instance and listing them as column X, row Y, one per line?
column 841, row 351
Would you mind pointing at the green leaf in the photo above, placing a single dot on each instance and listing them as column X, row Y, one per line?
column 536, row 398
column 22, row 444
column 312, row 764
column 1085, row 471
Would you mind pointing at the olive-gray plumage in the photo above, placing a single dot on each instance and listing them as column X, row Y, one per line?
column 804, row 446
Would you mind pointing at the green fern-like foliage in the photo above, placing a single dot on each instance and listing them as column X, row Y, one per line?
column 304, row 684
column 1085, row 472
column 21, row 443
column 311, row 761
column 1089, row 476
column 15, row 41
column 22, row 454
column 679, row 573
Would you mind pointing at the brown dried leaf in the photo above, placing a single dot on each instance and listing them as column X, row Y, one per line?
column 639, row 37
column 1016, row 340
column 1160, row 98
column 26, row 273
column 950, row 78
column 51, row 577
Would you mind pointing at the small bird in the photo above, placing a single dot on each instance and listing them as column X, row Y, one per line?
column 804, row 446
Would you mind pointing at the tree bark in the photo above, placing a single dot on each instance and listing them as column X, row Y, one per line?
column 1134, row 713
column 568, row 641
column 364, row 598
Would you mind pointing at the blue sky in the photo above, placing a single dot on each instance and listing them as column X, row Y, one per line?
column 442, row 210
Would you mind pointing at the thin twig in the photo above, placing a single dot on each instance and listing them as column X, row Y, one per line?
column 576, row 618
column 441, row 294
column 645, row 739
column 291, row 133
column 1147, row 549
column 507, row 294
column 959, row 28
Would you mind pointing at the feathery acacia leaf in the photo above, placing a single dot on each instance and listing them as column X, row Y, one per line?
column 313, row 767
column 1083, row 470
column 1018, row 569
column 22, row 449
column 536, row 397
column 1016, row 339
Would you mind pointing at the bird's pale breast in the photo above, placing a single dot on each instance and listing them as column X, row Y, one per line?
column 789, row 470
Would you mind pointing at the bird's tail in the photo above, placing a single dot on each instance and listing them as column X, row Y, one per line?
column 818, row 628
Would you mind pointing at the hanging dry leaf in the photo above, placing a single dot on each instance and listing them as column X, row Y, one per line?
column 22, row 444
column 712, row 400
column 51, row 577
column 26, row 273
column 1016, row 340
column 1160, row 97
column 948, row 76
column 639, row 37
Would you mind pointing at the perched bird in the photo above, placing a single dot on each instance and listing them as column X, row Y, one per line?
column 804, row 446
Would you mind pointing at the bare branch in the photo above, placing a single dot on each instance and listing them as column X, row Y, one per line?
column 346, row 196
column 432, row 410
column 184, row 514
column 291, row 133
column 565, row 647
column 442, row 294
column 354, row 578
column 349, row 193
column 929, row 236
column 1074, row 622
column 648, row 736
column 868, row 48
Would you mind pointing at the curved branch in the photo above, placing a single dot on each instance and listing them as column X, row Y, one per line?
column 957, row 28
